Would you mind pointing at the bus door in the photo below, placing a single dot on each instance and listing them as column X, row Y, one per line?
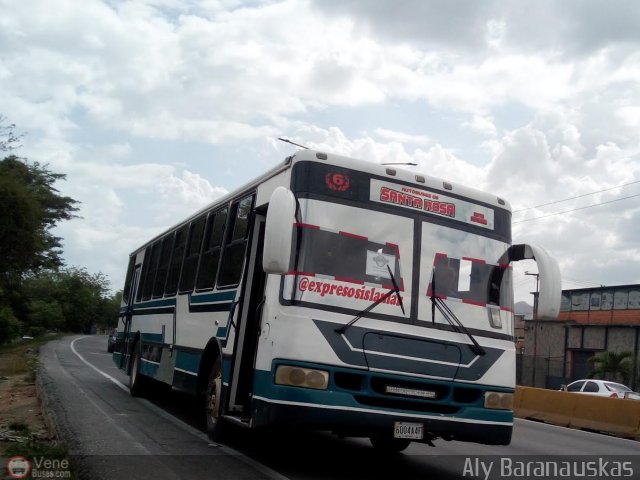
column 249, row 320
column 128, row 316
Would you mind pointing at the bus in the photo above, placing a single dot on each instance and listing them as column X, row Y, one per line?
column 336, row 294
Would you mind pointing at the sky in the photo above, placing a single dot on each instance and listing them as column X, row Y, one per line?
column 155, row 108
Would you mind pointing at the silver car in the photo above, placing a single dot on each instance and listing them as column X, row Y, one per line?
column 602, row 388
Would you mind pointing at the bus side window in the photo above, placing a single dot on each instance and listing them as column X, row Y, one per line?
column 163, row 266
column 143, row 274
column 211, row 250
column 188, row 277
column 235, row 243
column 127, row 282
column 176, row 261
column 151, row 271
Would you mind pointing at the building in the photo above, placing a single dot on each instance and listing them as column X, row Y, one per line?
column 591, row 320
column 518, row 330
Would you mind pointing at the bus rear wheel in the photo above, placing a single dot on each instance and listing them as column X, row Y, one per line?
column 212, row 402
column 387, row 444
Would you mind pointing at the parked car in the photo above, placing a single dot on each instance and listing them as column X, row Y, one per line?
column 111, row 342
column 602, row 388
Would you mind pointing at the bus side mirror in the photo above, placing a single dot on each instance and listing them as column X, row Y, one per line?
column 550, row 288
column 281, row 216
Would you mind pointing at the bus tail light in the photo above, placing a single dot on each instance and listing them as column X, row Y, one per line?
column 498, row 400
column 302, row 377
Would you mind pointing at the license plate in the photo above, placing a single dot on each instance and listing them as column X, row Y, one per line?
column 414, row 431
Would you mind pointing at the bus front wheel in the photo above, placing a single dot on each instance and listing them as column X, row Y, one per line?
column 212, row 402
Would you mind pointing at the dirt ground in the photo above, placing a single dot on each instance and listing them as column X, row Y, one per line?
column 20, row 412
column 21, row 418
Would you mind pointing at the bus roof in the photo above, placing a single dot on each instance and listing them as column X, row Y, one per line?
column 393, row 173
column 404, row 174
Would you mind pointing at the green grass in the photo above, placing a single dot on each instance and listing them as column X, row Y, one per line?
column 22, row 358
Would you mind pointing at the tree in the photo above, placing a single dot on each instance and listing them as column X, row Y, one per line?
column 9, row 324
column 36, row 293
column 109, row 312
column 30, row 207
column 69, row 299
column 614, row 366
column 9, row 140
column 83, row 295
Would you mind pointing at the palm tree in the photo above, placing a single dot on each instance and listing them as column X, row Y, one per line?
column 614, row 366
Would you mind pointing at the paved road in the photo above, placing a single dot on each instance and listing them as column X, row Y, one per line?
column 117, row 436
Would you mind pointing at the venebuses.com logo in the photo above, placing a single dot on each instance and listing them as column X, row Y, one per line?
column 38, row 467
column 18, row 467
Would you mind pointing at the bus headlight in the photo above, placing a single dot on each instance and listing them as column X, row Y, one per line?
column 302, row 377
column 498, row 400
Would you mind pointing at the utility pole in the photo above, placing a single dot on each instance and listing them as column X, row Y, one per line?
column 535, row 295
column 535, row 326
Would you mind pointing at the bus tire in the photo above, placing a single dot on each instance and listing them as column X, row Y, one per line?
column 388, row 444
column 138, row 383
column 214, row 423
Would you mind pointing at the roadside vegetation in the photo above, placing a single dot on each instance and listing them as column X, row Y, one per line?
column 38, row 293
column 23, row 428
column 613, row 366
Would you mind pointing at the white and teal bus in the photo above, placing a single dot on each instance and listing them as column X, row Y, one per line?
column 336, row 294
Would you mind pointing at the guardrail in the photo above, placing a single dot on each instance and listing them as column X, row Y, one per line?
column 611, row 415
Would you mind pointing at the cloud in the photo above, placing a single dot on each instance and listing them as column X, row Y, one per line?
column 116, row 220
column 182, row 196
column 534, row 167
column 394, row 147
column 481, row 124
column 629, row 116
column 404, row 138
column 534, row 102
column 523, row 158
column 573, row 26
column 220, row 73
column 103, row 247
column 427, row 23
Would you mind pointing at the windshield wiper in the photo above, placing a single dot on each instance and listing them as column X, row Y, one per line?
column 454, row 321
column 395, row 290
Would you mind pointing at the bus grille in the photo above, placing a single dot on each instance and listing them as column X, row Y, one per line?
column 399, row 404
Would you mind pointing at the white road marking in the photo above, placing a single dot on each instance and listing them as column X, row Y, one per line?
column 136, row 444
column 264, row 469
column 105, row 375
column 179, row 423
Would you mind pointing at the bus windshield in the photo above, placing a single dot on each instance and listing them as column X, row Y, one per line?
column 341, row 260
column 463, row 268
column 347, row 257
column 472, row 280
column 343, row 257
